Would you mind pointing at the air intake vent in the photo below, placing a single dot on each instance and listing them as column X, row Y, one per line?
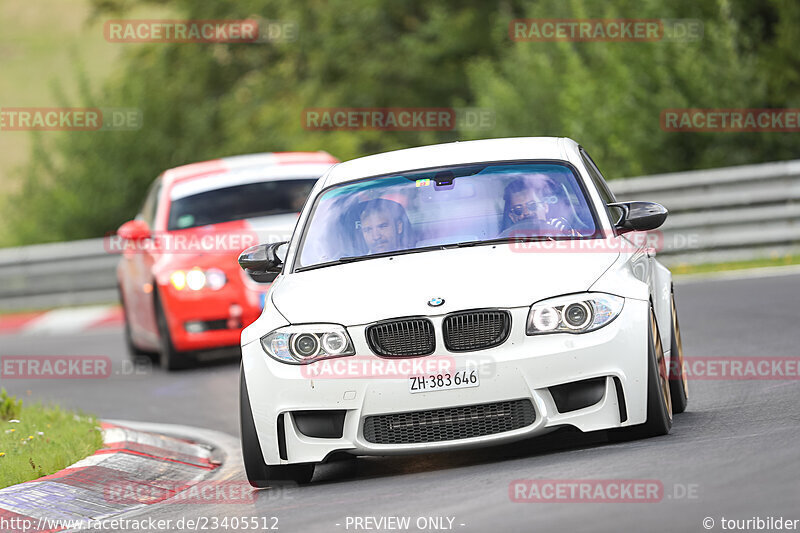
column 449, row 424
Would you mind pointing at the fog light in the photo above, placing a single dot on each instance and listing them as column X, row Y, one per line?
column 194, row 327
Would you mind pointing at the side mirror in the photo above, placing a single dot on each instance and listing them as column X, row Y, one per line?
column 134, row 230
column 638, row 216
column 262, row 261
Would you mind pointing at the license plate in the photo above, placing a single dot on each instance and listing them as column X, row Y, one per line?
column 461, row 379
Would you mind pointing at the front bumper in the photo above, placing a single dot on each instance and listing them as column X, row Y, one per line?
column 205, row 319
column 521, row 368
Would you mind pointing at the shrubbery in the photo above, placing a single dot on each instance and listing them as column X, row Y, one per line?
column 203, row 101
column 10, row 407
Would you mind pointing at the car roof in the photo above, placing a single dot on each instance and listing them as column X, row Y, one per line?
column 241, row 162
column 461, row 152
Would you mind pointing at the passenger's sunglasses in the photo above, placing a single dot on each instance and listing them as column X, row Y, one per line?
column 519, row 209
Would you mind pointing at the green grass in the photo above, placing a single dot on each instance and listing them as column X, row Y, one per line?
column 735, row 265
column 44, row 441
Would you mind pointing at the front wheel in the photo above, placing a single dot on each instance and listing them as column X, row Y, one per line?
column 259, row 473
column 659, row 401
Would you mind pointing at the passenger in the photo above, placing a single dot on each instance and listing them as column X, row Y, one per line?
column 385, row 226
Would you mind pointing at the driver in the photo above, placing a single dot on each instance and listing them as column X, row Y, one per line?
column 523, row 203
column 385, row 226
column 536, row 206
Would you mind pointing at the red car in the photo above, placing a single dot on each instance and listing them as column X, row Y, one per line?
column 181, row 288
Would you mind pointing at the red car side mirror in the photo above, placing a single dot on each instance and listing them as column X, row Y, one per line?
column 134, row 230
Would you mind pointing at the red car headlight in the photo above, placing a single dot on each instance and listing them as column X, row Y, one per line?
column 197, row 279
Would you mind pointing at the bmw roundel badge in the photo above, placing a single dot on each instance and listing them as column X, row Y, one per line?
column 435, row 302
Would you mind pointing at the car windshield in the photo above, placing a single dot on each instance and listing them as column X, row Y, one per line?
column 250, row 200
column 470, row 204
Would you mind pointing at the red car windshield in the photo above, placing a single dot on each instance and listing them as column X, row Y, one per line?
column 249, row 200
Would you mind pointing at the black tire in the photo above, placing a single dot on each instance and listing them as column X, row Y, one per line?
column 678, row 384
column 659, row 408
column 133, row 350
column 259, row 473
column 169, row 358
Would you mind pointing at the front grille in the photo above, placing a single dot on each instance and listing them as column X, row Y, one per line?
column 449, row 424
column 407, row 337
column 476, row 330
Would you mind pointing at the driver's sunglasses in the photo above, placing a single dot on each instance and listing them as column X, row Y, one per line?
column 519, row 209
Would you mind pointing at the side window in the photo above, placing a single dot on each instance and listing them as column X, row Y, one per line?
column 597, row 178
column 148, row 213
column 614, row 213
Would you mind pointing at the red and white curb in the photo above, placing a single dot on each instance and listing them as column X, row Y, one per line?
column 81, row 492
column 62, row 321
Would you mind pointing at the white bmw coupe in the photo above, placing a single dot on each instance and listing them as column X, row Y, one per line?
column 457, row 295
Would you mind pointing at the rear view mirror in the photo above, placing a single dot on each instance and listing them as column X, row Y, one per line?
column 262, row 262
column 638, row 216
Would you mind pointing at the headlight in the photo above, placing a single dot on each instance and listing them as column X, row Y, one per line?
column 577, row 313
column 197, row 279
column 215, row 279
column 178, row 280
column 305, row 344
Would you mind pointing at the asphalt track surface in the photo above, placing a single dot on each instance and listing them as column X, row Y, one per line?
column 735, row 453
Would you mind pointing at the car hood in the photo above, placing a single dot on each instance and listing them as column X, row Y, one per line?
column 466, row 278
column 219, row 245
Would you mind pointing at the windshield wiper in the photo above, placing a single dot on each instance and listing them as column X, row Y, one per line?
column 532, row 238
column 464, row 244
